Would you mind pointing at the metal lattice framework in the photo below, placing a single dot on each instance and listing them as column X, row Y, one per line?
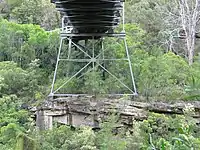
column 92, row 20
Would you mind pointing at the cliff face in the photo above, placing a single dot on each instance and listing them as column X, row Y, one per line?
column 87, row 111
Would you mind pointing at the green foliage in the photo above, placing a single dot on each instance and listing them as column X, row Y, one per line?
column 34, row 50
column 24, row 82
column 158, row 132
column 193, row 87
column 38, row 12
column 25, row 43
column 93, row 83
column 28, row 57
column 13, row 121
column 163, row 75
column 106, row 138
column 25, row 143
column 135, row 139
column 173, row 133
column 158, row 75
column 70, row 87
column 63, row 138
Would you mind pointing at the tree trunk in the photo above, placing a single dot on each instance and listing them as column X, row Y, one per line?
column 189, row 14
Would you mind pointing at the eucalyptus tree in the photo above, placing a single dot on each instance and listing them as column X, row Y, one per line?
column 40, row 12
column 189, row 12
column 173, row 24
column 182, row 17
column 6, row 7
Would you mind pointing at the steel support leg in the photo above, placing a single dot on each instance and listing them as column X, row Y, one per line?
column 69, row 55
column 130, row 67
column 103, row 57
column 99, row 60
column 69, row 48
column 93, row 54
column 56, row 69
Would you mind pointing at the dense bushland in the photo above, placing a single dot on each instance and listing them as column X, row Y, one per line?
column 26, row 69
column 159, row 58
column 31, row 51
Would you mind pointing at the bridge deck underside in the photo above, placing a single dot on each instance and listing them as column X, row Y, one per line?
column 90, row 16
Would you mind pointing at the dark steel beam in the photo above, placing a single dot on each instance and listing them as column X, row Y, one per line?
column 90, row 16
